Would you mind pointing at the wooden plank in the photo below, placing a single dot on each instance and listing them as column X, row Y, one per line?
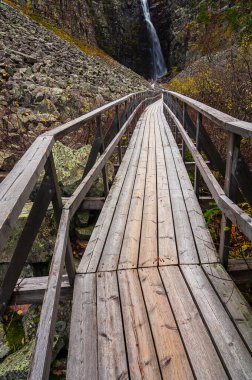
column 93, row 203
column 230, row 189
column 167, row 250
column 93, row 251
column 203, row 357
column 204, row 243
column 239, row 265
column 42, row 353
column 187, row 252
column 57, row 206
column 232, row 349
column 148, row 253
column 130, row 245
column 32, row 290
column 16, row 188
column 76, row 199
column 142, row 359
column 82, row 362
column 112, row 361
column 112, row 247
column 225, row 121
column 232, row 299
column 171, row 353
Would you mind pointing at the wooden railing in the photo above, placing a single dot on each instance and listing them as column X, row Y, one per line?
column 16, row 189
column 235, row 171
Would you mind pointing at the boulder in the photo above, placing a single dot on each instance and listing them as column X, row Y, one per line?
column 7, row 160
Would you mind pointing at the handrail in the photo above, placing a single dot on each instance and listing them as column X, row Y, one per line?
column 237, row 175
column 236, row 214
column 17, row 186
column 223, row 120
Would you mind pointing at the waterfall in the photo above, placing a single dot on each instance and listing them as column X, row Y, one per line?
column 159, row 66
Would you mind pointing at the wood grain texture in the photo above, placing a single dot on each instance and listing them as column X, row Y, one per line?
column 167, row 250
column 112, row 248
column 204, row 243
column 130, row 245
column 94, row 249
column 112, row 362
column 231, row 210
column 233, row 351
column 148, row 253
column 225, row 121
column 42, row 353
column 82, row 362
column 187, row 252
column 201, row 351
column 143, row 363
column 232, row 299
column 171, row 353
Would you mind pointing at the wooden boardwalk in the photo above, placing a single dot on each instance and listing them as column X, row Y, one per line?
column 151, row 301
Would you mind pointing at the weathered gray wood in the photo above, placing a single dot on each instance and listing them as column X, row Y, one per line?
column 102, row 148
column 112, row 361
column 130, row 246
column 57, row 206
column 93, row 203
column 26, row 239
column 187, row 252
column 171, row 353
column 142, row 357
column 230, row 188
column 231, row 210
column 167, row 250
column 32, row 290
column 232, row 349
column 148, row 253
column 197, row 173
column 80, row 193
column 204, row 243
column 82, row 361
column 112, row 247
column 203, row 357
column 16, row 188
column 225, row 121
column 232, row 299
column 93, row 251
column 118, row 124
column 41, row 359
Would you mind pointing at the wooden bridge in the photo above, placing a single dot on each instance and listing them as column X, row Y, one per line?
column 151, row 296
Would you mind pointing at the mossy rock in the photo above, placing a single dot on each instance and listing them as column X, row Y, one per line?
column 4, row 346
column 70, row 165
column 16, row 365
column 82, row 219
column 42, row 248
column 7, row 160
column 84, row 233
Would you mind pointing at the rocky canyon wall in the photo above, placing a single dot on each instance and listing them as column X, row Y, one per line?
column 118, row 27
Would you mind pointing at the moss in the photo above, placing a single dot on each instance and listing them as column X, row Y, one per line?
column 14, row 333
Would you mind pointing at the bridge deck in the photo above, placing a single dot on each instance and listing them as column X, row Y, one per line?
column 150, row 299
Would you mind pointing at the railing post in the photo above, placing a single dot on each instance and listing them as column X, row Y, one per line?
column 104, row 170
column 197, row 172
column 118, row 121
column 58, row 206
column 230, row 189
column 184, row 126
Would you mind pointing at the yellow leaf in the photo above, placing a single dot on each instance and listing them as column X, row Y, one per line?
column 20, row 312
